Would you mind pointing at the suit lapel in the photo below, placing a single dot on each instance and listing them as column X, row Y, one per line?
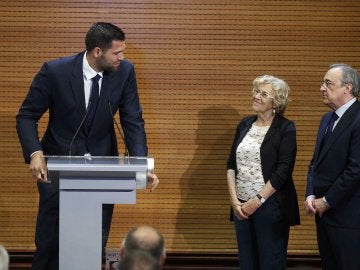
column 250, row 121
column 344, row 122
column 245, row 130
column 273, row 127
column 77, row 85
column 321, row 132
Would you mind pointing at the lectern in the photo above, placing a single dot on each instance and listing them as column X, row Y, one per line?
column 86, row 183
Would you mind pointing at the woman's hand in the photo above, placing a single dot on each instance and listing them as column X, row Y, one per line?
column 237, row 207
column 249, row 207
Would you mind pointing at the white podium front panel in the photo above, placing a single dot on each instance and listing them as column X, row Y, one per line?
column 85, row 184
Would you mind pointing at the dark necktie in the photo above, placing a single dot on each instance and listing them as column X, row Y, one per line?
column 93, row 101
column 329, row 128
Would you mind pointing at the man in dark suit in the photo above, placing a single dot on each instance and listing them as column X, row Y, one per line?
column 80, row 122
column 333, row 183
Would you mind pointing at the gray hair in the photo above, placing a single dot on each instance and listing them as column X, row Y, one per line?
column 280, row 88
column 349, row 75
column 153, row 242
column 139, row 260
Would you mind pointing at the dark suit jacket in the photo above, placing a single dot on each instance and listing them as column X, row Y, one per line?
column 59, row 88
column 277, row 153
column 334, row 172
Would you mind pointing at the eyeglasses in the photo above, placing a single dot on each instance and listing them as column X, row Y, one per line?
column 326, row 83
column 262, row 93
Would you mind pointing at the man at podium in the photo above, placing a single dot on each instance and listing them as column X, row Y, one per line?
column 82, row 93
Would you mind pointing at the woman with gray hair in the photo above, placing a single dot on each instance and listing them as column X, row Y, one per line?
column 259, row 175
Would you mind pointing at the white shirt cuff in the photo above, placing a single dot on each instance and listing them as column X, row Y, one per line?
column 310, row 198
column 35, row 153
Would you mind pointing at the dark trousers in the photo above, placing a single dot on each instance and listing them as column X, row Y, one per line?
column 46, row 256
column 339, row 247
column 263, row 238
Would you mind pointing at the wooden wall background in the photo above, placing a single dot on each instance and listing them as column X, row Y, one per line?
column 195, row 62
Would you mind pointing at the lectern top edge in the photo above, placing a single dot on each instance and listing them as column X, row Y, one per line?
column 99, row 167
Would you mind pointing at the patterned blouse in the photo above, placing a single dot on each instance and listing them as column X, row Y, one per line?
column 249, row 179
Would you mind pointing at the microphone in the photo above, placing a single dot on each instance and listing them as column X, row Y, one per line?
column 79, row 127
column 119, row 129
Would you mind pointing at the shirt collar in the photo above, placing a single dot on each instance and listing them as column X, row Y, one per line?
column 344, row 107
column 88, row 71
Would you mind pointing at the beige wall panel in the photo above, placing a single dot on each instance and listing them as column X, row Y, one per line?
column 195, row 62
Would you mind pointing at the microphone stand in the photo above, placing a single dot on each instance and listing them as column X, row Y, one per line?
column 126, row 154
column 78, row 129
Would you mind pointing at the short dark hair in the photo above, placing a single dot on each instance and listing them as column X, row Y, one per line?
column 155, row 248
column 102, row 34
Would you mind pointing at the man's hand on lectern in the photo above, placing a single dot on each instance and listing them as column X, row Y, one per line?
column 153, row 181
column 38, row 167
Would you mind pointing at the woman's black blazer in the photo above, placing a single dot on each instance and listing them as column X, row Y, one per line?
column 277, row 153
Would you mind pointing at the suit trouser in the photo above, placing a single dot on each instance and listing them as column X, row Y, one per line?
column 339, row 247
column 263, row 238
column 46, row 255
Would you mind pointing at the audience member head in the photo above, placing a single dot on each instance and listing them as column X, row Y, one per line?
column 147, row 239
column 139, row 260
